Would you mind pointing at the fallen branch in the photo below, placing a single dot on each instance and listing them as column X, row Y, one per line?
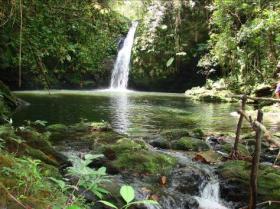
column 255, row 124
column 256, row 98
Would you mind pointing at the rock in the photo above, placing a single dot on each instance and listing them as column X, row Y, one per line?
column 40, row 142
column 208, row 157
column 190, row 144
column 242, row 149
column 235, row 181
column 57, row 128
column 161, row 143
column 174, row 134
column 127, row 152
column 198, row 133
column 187, row 180
column 209, row 95
column 263, row 90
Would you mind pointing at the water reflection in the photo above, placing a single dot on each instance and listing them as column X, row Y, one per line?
column 120, row 111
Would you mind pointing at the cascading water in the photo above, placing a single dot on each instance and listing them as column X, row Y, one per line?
column 210, row 195
column 119, row 78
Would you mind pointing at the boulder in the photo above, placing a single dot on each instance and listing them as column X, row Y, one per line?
column 134, row 156
column 190, row 144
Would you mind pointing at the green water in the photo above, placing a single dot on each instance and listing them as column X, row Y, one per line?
column 137, row 113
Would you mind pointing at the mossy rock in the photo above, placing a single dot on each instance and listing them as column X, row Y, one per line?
column 58, row 132
column 243, row 151
column 209, row 95
column 57, row 128
column 190, row 144
column 134, row 156
column 161, row 143
column 174, row 134
column 198, row 133
column 39, row 141
column 210, row 98
column 236, row 176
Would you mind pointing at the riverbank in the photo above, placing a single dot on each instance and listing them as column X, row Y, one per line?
column 154, row 168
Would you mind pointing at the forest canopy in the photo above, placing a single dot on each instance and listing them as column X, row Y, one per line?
column 73, row 44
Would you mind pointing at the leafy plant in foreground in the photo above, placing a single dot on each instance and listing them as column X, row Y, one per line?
column 128, row 194
column 89, row 178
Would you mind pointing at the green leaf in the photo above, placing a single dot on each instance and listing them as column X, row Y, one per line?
column 73, row 207
column 127, row 193
column 170, row 61
column 60, row 183
column 146, row 202
column 108, row 204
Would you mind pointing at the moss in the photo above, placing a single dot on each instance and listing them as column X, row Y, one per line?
column 38, row 154
column 174, row 134
column 144, row 162
column 239, row 173
column 198, row 133
column 57, row 128
column 134, row 156
column 190, row 144
column 209, row 95
column 161, row 143
column 243, row 151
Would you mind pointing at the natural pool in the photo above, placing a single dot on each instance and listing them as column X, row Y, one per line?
column 136, row 113
column 128, row 112
column 142, row 115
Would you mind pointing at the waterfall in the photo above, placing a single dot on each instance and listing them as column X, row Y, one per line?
column 119, row 78
column 210, row 195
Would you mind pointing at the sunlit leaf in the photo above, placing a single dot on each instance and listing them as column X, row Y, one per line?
column 127, row 193
column 169, row 62
column 108, row 204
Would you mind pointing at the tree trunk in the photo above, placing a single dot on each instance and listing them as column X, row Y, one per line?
column 255, row 165
column 234, row 153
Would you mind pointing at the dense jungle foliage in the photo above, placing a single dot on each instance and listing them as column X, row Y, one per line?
column 64, row 43
column 73, row 44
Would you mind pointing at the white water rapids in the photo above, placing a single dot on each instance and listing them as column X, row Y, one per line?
column 119, row 78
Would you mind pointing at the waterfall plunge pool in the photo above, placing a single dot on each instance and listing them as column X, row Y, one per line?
column 131, row 112
column 144, row 115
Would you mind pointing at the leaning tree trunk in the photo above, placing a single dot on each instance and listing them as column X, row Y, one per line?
column 234, row 153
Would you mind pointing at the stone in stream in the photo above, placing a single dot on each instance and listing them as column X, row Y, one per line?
column 174, row 134
column 136, row 157
column 190, row 144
